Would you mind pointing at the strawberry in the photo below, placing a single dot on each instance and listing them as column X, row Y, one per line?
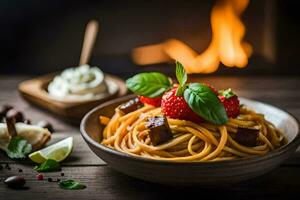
column 230, row 102
column 211, row 87
column 177, row 100
column 176, row 107
column 151, row 101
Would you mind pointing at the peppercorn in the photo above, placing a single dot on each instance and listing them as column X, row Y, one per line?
column 15, row 181
column 40, row 177
column 7, row 166
column 45, row 124
column 27, row 121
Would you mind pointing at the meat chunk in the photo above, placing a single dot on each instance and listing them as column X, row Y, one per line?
column 130, row 106
column 159, row 130
column 247, row 136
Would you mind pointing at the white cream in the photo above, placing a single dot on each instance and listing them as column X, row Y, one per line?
column 80, row 83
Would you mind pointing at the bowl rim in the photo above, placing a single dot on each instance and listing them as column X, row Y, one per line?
column 275, row 153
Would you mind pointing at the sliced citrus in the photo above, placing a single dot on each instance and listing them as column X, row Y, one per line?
column 58, row 151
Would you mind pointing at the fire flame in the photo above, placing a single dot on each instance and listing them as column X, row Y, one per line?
column 227, row 45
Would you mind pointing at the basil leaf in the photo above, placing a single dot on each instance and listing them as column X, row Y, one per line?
column 71, row 185
column 149, row 84
column 48, row 166
column 181, row 76
column 18, row 148
column 205, row 103
column 179, row 91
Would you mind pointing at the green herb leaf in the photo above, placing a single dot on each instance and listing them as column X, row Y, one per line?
column 71, row 185
column 18, row 148
column 149, row 84
column 181, row 76
column 48, row 166
column 228, row 93
column 179, row 91
column 203, row 101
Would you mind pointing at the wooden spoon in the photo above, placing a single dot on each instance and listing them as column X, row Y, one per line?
column 88, row 41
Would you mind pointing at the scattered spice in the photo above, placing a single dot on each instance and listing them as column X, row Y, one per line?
column 20, row 170
column 46, row 124
column 7, row 166
column 27, row 121
column 40, row 177
column 15, row 182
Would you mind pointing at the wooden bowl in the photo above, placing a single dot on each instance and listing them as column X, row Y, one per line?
column 192, row 173
column 35, row 91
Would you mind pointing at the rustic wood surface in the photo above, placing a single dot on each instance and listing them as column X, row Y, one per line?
column 104, row 183
column 34, row 90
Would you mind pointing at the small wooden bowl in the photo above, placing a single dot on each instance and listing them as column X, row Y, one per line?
column 35, row 91
column 192, row 173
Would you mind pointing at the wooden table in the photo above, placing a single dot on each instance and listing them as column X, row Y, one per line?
column 105, row 183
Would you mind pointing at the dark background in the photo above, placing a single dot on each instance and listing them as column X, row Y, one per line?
column 38, row 37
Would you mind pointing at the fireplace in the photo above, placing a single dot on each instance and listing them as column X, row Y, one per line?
column 227, row 45
column 264, row 21
column 52, row 33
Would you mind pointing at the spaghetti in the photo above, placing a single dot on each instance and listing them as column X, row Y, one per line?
column 191, row 142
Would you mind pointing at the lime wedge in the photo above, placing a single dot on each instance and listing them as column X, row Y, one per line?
column 58, row 151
